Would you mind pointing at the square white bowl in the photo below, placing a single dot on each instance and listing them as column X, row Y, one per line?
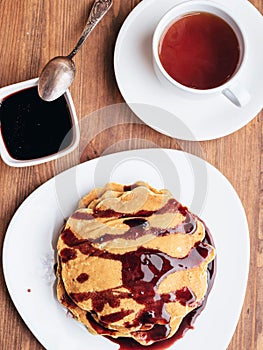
column 7, row 158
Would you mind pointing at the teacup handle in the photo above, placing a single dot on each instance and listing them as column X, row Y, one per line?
column 237, row 95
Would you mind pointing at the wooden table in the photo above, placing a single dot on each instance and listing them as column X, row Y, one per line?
column 33, row 31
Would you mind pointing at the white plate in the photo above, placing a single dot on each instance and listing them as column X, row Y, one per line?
column 29, row 246
column 180, row 115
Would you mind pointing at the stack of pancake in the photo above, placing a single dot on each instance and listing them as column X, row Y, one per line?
column 133, row 262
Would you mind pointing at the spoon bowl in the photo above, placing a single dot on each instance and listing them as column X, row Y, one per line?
column 58, row 74
column 56, row 77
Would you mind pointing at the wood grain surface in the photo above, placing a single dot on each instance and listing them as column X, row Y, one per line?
column 32, row 32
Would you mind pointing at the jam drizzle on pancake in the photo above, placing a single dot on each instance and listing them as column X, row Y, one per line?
column 138, row 227
column 157, row 330
column 142, row 272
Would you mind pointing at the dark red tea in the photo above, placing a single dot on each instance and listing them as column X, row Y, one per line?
column 200, row 50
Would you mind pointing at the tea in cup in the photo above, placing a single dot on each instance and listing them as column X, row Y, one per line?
column 199, row 48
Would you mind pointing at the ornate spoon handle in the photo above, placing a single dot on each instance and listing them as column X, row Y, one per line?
column 99, row 9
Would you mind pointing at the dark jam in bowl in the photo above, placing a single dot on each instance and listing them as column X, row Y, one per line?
column 32, row 128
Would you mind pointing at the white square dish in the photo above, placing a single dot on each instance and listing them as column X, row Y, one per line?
column 11, row 160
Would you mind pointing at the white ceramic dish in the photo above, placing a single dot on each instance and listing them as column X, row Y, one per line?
column 30, row 241
column 178, row 114
column 7, row 158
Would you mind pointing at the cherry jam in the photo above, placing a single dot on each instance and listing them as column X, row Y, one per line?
column 32, row 128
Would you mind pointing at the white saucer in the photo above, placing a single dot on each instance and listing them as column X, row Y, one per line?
column 183, row 116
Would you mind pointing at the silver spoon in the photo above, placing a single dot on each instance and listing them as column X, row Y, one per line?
column 58, row 73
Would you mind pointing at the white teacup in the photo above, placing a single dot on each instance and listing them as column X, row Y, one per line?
column 231, row 88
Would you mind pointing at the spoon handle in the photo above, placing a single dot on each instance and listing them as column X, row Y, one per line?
column 99, row 9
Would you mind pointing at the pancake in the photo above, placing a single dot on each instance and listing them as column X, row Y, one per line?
column 133, row 262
